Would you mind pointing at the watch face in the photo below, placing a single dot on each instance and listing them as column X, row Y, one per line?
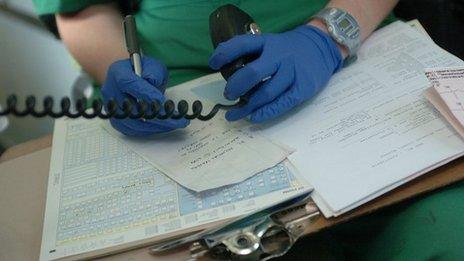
column 344, row 23
column 347, row 27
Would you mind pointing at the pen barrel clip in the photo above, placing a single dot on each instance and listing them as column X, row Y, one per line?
column 136, row 60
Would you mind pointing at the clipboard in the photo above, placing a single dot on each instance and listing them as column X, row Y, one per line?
column 23, row 185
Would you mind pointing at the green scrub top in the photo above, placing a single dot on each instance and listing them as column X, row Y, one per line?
column 177, row 31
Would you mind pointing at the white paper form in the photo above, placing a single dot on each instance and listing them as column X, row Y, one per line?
column 207, row 155
column 447, row 94
column 371, row 129
column 104, row 197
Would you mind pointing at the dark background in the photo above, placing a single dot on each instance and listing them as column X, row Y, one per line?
column 443, row 20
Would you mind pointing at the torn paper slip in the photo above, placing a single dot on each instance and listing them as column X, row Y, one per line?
column 447, row 94
column 208, row 155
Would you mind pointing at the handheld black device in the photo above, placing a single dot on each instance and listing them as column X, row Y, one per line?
column 225, row 22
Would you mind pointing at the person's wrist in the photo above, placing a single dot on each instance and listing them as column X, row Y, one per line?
column 323, row 27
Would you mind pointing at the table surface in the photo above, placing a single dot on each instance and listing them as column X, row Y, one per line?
column 26, row 148
column 23, row 186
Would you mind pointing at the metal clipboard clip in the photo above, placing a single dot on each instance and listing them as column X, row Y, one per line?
column 262, row 235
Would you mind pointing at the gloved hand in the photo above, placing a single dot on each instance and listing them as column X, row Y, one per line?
column 122, row 83
column 300, row 61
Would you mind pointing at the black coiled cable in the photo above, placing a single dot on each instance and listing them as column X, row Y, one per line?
column 144, row 110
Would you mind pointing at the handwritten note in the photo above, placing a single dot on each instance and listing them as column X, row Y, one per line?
column 208, row 155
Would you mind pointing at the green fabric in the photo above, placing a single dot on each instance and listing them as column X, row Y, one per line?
column 428, row 228
column 46, row 7
column 177, row 31
column 180, row 36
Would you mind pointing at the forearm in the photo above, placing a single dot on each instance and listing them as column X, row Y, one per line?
column 94, row 37
column 368, row 13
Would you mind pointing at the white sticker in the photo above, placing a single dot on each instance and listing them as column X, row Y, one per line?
column 3, row 122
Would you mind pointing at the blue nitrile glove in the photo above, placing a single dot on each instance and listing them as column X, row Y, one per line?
column 122, row 83
column 300, row 61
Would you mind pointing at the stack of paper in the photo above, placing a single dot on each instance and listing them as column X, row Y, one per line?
column 447, row 94
column 371, row 129
column 103, row 197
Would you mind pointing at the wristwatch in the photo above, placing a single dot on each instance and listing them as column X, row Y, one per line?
column 343, row 28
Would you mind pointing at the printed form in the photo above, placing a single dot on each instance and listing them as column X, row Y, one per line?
column 372, row 129
column 103, row 197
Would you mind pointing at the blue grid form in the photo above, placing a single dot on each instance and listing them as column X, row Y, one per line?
column 268, row 181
